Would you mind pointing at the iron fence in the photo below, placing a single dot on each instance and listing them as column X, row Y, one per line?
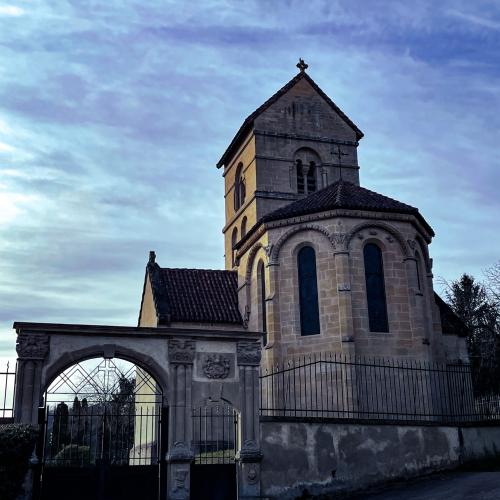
column 331, row 385
column 119, row 434
column 7, row 392
column 215, row 434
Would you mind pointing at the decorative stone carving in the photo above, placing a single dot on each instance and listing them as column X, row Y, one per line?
column 412, row 244
column 268, row 249
column 339, row 237
column 181, row 351
column 361, row 236
column 372, row 232
column 246, row 316
column 180, row 476
column 390, row 239
column 344, row 287
column 216, row 366
column 252, row 475
column 32, row 346
column 248, row 353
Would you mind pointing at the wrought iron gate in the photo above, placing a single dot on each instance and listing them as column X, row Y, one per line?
column 104, row 432
column 215, row 442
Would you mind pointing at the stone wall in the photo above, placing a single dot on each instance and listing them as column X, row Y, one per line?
column 332, row 457
column 414, row 322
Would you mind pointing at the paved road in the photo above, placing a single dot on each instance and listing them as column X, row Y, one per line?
column 451, row 486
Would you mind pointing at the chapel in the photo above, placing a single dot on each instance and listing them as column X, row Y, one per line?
column 313, row 260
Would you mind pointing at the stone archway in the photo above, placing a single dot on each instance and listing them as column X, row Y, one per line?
column 102, row 432
column 189, row 365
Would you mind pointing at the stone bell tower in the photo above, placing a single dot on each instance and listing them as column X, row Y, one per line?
column 296, row 143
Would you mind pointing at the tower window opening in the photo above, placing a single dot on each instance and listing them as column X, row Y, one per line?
column 234, row 240
column 300, row 178
column 311, row 178
column 239, row 188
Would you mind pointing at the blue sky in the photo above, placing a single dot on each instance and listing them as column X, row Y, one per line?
column 113, row 115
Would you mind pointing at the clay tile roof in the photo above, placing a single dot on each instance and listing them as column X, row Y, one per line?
column 451, row 324
column 248, row 123
column 195, row 295
column 343, row 194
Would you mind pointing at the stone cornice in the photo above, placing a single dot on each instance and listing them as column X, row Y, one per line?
column 331, row 214
column 303, row 137
column 131, row 331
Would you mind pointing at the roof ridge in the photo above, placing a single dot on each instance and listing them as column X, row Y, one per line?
column 197, row 269
column 250, row 118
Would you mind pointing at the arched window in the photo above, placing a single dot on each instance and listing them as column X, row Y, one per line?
column 243, row 230
column 308, row 291
column 261, row 280
column 301, row 185
column 375, row 288
column 239, row 188
column 307, row 162
column 311, row 178
column 234, row 240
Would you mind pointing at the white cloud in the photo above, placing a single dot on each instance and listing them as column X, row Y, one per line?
column 11, row 10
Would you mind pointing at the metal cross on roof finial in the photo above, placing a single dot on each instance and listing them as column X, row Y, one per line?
column 302, row 65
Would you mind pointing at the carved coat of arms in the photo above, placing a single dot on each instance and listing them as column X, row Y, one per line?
column 216, row 366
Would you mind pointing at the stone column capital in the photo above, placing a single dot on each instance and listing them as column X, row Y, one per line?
column 181, row 351
column 32, row 345
column 248, row 353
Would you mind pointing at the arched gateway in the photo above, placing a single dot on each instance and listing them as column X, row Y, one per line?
column 104, row 425
column 120, row 408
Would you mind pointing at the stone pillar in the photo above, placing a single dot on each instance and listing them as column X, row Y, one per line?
column 32, row 349
column 181, row 355
column 417, row 309
column 273, row 353
column 346, row 326
column 249, row 454
column 350, row 400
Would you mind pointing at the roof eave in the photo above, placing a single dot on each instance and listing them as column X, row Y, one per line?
column 235, row 143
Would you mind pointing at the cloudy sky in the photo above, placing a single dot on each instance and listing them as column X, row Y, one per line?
column 113, row 115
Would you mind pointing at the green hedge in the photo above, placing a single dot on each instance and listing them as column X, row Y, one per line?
column 17, row 442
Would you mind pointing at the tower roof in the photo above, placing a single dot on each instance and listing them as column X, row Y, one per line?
column 340, row 194
column 249, row 121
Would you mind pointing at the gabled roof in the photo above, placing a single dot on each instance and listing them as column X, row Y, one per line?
column 451, row 324
column 194, row 295
column 343, row 194
column 248, row 123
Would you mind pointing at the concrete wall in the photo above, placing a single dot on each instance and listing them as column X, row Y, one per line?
column 333, row 457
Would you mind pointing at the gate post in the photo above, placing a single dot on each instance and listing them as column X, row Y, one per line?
column 249, row 455
column 32, row 349
column 180, row 455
